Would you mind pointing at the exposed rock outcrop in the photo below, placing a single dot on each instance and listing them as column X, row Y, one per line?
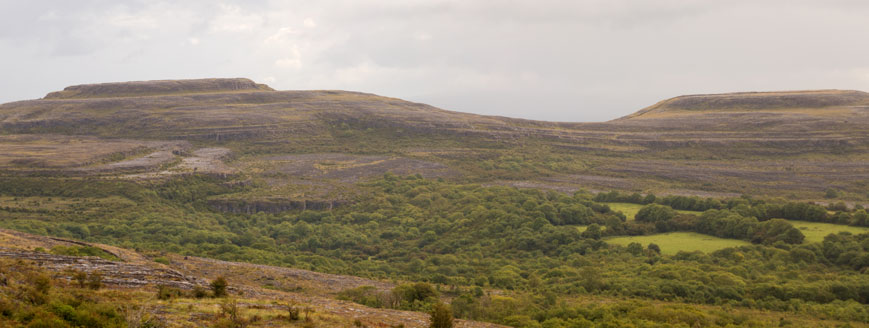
column 153, row 88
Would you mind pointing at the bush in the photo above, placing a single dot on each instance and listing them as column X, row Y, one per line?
column 293, row 312
column 218, row 287
column 232, row 316
column 167, row 292
column 95, row 280
column 654, row 213
column 441, row 316
column 769, row 232
column 199, row 292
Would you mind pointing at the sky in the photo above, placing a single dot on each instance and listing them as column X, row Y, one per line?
column 578, row 60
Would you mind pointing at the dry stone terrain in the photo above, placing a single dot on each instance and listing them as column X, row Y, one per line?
column 135, row 271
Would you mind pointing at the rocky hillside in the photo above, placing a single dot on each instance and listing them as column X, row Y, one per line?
column 257, row 287
column 158, row 129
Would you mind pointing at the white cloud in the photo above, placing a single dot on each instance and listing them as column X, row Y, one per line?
column 293, row 61
column 282, row 35
column 233, row 19
column 309, row 23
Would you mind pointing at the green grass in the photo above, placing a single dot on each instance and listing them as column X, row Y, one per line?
column 673, row 242
column 816, row 231
column 630, row 210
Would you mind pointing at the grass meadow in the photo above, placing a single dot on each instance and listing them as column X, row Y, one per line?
column 630, row 210
column 816, row 231
column 673, row 242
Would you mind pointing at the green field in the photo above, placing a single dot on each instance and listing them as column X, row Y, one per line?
column 630, row 210
column 816, row 231
column 673, row 242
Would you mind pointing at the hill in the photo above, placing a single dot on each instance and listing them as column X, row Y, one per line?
column 371, row 210
column 799, row 144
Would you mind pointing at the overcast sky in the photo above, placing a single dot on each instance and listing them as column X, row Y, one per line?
column 571, row 60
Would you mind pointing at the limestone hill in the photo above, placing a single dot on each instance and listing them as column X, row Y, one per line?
column 758, row 101
column 154, row 88
column 157, row 129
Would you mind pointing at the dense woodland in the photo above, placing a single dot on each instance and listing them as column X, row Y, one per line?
column 544, row 252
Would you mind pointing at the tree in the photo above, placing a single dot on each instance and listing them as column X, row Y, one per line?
column 654, row 213
column 592, row 232
column 769, row 232
column 81, row 278
column 95, row 280
column 635, row 248
column 218, row 287
column 655, row 248
column 441, row 316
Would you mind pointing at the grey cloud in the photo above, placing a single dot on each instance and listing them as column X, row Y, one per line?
column 549, row 59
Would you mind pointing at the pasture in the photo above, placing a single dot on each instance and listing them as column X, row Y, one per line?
column 816, row 231
column 630, row 210
column 673, row 242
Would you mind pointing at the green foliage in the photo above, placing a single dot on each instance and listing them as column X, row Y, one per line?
column 525, row 242
column 218, row 287
column 167, row 292
column 441, row 316
column 775, row 230
column 29, row 298
column 95, row 280
column 653, row 213
column 83, row 251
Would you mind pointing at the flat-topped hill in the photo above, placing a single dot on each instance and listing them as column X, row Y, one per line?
column 159, row 87
column 287, row 139
column 758, row 101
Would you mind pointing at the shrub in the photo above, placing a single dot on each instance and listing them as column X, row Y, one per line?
column 199, row 292
column 655, row 248
column 292, row 312
column 218, row 287
column 167, row 292
column 81, row 278
column 441, row 316
column 232, row 315
column 654, row 213
column 95, row 280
